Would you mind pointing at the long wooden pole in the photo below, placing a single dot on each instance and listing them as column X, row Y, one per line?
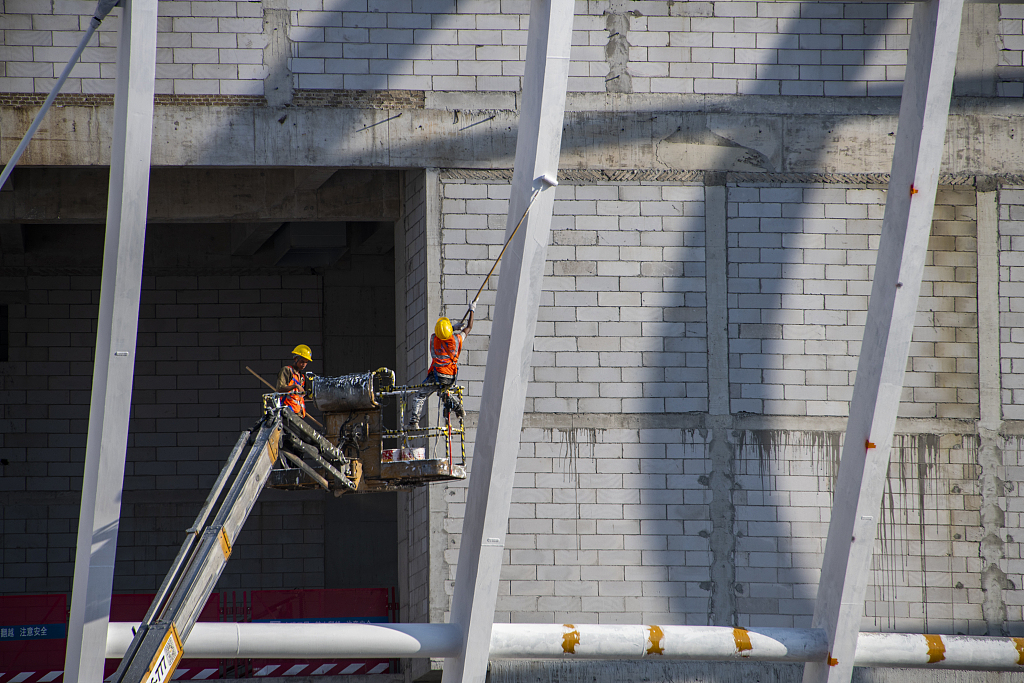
column 274, row 389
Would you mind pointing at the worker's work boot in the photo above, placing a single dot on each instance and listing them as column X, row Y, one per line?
column 453, row 405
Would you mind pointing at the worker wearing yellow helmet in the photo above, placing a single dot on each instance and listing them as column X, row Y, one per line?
column 445, row 347
column 292, row 380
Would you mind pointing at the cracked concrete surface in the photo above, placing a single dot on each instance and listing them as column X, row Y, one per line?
column 277, row 86
column 617, row 49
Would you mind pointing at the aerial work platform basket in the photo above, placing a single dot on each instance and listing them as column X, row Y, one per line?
column 368, row 456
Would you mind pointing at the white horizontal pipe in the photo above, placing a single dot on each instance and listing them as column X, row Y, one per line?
column 214, row 640
column 592, row 641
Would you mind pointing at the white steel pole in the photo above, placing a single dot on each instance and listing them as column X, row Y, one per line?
column 120, row 290
column 511, row 343
column 906, row 226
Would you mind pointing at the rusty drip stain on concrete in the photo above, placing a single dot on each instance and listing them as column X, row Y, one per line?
column 655, row 635
column 570, row 639
column 1019, row 644
column 742, row 638
column 936, row 648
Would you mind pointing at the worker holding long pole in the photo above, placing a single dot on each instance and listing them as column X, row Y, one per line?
column 445, row 347
column 446, row 342
column 291, row 380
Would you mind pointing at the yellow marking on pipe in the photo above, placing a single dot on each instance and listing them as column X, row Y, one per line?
column 832, row 661
column 654, row 636
column 936, row 648
column 225, row 543
column 570, row 639
column 1019, row 644
column 742, row 638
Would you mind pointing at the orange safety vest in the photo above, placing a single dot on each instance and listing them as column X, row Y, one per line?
column 296, row 401
column 444, row 355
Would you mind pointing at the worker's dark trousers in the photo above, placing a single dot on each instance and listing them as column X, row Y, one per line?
column 434, row 383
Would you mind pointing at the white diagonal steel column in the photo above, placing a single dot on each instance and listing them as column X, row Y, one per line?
column 120, row 290
column 888, row 329
column 510, row 352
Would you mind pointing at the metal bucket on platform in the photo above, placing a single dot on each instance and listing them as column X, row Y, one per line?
column 344, row 393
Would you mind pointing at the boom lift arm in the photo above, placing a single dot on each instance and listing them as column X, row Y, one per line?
column 280, row 451
column 157, row 647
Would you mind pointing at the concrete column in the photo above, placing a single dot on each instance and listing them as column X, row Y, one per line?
column 716, row 283
column 509, row 356
column 978, row 57
column 120, row 291
column 277, row 86
column 990, row 451
column 437, row 507
column 888, row 330
column 722, row 543
column 419, row 285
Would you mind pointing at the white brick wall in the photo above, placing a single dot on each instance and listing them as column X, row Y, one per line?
column 216, row 46
column 801, row 259
column 1011, row 300
column 621, row 328
column 1011, row 32
column 926, row 568
column 203, row 47
column 612, row 525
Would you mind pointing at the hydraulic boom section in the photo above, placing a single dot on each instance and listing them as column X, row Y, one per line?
column 157, row 647
column 283, row 451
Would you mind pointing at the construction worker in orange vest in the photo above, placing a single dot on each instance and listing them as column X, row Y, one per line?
column 292, row 380
column 445, row 347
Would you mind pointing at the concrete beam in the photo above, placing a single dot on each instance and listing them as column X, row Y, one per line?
column 906, row 227
column 687, row 132
column 201, row 195
column 117, row 327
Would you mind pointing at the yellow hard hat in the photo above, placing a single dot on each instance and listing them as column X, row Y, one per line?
column 443, row 329
column 303, row 351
